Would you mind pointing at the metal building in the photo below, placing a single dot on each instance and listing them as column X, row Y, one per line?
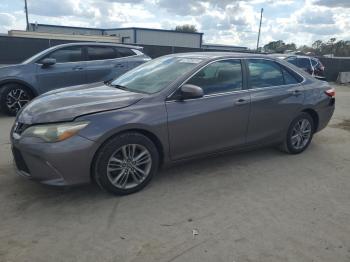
column 230, row 48
column 131, row 35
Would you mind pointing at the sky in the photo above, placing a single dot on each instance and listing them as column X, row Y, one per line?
column 231, row 22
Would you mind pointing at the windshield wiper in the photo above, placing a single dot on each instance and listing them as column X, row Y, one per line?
column 109, row 83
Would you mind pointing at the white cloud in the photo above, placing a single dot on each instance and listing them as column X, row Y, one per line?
column 222, row 21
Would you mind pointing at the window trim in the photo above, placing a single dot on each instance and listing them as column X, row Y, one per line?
column 103, row 46
column 171, row 97
column 83, row 55
column 279, row 64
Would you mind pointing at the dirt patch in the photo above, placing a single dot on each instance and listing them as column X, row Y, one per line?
column 345, row 124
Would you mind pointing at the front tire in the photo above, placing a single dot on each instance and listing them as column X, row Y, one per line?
column 299, row 135
column 126, row 163
column 13, row 97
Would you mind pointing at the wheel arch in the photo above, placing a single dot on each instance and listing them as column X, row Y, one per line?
column 154, row 138
column 19, row 82
column 314, row 116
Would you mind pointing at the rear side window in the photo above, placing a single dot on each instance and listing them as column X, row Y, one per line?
column 101, row 52
column 264, row 73
column 123, row 52
column 219, row 77
column 314, row 62
column 289, row 77
column 292, row 60
column 67, row 54
column 304, row 63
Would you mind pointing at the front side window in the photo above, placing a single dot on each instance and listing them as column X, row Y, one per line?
column 67, row 54
column 219, row 77
column 101, row 52
column 264, row 73
column 157, row 74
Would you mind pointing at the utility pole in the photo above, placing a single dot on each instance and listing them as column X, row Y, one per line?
column 261, row 15
column 26, row 10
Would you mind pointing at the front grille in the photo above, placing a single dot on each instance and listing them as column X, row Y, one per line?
column 19, row 160
column 20, row 127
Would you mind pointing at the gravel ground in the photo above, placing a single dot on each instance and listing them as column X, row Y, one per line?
column 255, row 206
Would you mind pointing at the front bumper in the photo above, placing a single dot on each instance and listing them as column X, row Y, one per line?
column 60, row 164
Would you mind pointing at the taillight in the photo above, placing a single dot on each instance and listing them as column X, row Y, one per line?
column 330, row 92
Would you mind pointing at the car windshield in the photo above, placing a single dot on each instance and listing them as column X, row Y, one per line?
column 156, row 75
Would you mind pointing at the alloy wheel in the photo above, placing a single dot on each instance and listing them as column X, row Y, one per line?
column 129, row 166
column 16, row 99
column 301, row 133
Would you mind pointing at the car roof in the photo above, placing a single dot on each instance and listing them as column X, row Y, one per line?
column 302, row 56
column 99, row 44
column 216, row 55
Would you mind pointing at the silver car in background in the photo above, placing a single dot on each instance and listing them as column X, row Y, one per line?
column 62, row 66
column 170, row 109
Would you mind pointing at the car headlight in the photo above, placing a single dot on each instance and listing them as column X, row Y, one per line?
column 54, row 132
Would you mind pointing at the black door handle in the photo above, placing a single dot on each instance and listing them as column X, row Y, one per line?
column 78, row 68
column 119, row 65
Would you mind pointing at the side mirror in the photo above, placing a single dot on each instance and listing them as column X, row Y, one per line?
column 191, row 91
column 46, row 62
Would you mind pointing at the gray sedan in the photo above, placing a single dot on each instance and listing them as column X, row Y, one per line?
column 62, row 66
column 168, row 110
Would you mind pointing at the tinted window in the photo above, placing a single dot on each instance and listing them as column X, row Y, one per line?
column 264, row 73
column 218, row 77
column 101, row 52
column 67, row 54
column 124, row 51
column 289, row 78
column 292, row 60
column 314, row 62
column 304, row 63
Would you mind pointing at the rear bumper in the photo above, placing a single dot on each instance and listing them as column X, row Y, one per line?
column 325, row 114
column 59, row 164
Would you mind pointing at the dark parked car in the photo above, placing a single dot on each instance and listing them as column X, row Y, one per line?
column 170, row 109
column 62, row 66
column 309, row 64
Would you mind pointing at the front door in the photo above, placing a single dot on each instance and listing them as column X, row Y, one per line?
column 214, row 122
column 276, row 97
column 69, row 69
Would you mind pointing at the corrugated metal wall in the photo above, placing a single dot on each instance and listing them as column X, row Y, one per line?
column 127, row 34
column 163, row 38
column 66, row 30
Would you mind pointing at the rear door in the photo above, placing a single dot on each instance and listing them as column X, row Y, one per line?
column 214, row 122
column 69, row 69
column 276, row 96
column 103, row 63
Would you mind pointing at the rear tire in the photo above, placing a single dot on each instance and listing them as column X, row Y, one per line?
column 13, row 97
column 126, row 163
column 299, row 135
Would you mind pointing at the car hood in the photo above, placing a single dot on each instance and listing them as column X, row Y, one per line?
column 65, row 104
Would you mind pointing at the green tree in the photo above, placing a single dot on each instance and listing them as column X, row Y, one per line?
column 186, row 28
column 279, row 47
